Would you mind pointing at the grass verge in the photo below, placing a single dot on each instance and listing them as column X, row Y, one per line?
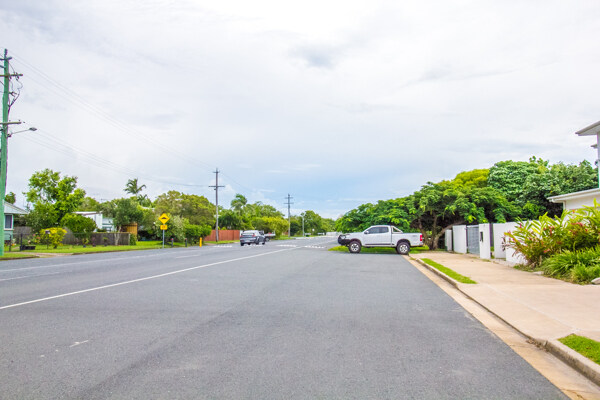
column 379, row 250
column 452, row 274
column 584, row 346
column 15, row 256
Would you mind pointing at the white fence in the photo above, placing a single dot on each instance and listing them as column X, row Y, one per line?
column 491, row 241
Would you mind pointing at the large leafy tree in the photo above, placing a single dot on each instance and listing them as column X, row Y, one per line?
column 197, row 209
column 529, row 184
column 52, row 197
column 238, row 204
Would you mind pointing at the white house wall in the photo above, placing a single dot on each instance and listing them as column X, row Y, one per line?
column 499, row 230
column 485, row 242
column 512, row 256
column 459, row 238
column 448, row 240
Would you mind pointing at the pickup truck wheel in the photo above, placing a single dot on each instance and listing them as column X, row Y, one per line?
column 403, row 248
column 354, row 246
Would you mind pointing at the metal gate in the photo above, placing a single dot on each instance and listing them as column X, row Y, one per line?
column 473, row 239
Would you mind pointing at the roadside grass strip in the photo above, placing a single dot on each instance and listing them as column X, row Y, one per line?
column 378, row 250
column 584, row 346
column 454, row 275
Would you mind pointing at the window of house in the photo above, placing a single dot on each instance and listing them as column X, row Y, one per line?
column 8, row 221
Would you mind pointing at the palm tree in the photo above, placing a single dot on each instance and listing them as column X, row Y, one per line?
column 133, row 188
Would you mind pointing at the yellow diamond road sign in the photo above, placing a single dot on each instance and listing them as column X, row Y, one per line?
column 163, row 218
column 163, row 227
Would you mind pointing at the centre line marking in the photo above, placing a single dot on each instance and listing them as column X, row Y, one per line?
column 137, row 280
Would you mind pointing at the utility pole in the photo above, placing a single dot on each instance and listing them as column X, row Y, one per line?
column 289, row 220
column 216, row 186
column 4, row 141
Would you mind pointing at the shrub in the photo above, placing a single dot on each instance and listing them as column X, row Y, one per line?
column 579, row 266
column 132, row 240
column 51, row 236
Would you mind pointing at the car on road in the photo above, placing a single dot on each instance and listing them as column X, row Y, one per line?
column 252, row 237
column 381, row 236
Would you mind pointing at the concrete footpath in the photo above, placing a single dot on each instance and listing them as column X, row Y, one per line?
column 541, row 308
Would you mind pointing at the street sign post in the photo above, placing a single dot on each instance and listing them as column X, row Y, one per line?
column 163, row 218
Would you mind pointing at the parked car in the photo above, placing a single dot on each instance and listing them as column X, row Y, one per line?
column 381, row 236
column 252, row 237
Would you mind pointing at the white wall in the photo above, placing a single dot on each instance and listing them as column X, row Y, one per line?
column 485, row 242
column 511, row 256
column 574, row 204
column 499, row 230
column 449, row 240
column 459, row 238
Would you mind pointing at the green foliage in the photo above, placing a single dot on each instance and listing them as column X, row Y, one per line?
column 197, row 209
column 51, row 236
column 585, row 346
column 44, row 214
column 396, row 212
column 580, row 266
column 81, row 226
column 132, row 240
column 276, row 225
column 89, row 204
column 529, row 184
column 124, row 211
column 452, row 274
column 53, row 197
column 176, row 228
column 10, row 198
column 195, row 232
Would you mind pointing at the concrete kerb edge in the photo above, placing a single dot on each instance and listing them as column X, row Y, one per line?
column 578, row 362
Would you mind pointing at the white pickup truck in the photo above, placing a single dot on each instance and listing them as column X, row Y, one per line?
column 381, row 236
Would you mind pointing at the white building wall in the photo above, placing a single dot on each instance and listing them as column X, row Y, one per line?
column 499, row 251
column 580, row 202
column 448, row 240
column 511, row 256
column 485, row 242
column 459, row 238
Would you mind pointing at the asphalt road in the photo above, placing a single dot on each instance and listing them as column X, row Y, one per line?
column 288, row 320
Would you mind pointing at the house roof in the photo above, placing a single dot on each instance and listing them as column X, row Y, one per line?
column 575, row 195
column 591, row 130
column 12, row 209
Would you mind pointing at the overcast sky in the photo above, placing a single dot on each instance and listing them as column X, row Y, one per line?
column 337, row 103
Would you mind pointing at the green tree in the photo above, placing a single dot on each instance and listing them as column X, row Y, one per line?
column 82, row 227
column 124, row 211
column 89, row 204
column 197, row 209
column 133, row 187
column 52, row 197
column 276, row 225
column 10, row 198
column 238, row 204
column 195, row 232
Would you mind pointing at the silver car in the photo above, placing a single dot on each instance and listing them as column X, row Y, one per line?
column 252, row 237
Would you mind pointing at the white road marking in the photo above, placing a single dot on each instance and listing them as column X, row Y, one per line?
column 137, row 280
column 81, row 262
column 78, row 343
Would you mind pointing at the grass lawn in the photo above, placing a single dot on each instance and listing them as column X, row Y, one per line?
column 584, row 346
column 16, row 255
column 454, row 275
column 378, row 250
column 78, row 249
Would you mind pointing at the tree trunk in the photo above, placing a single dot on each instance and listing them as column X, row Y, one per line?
column 437, row 237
